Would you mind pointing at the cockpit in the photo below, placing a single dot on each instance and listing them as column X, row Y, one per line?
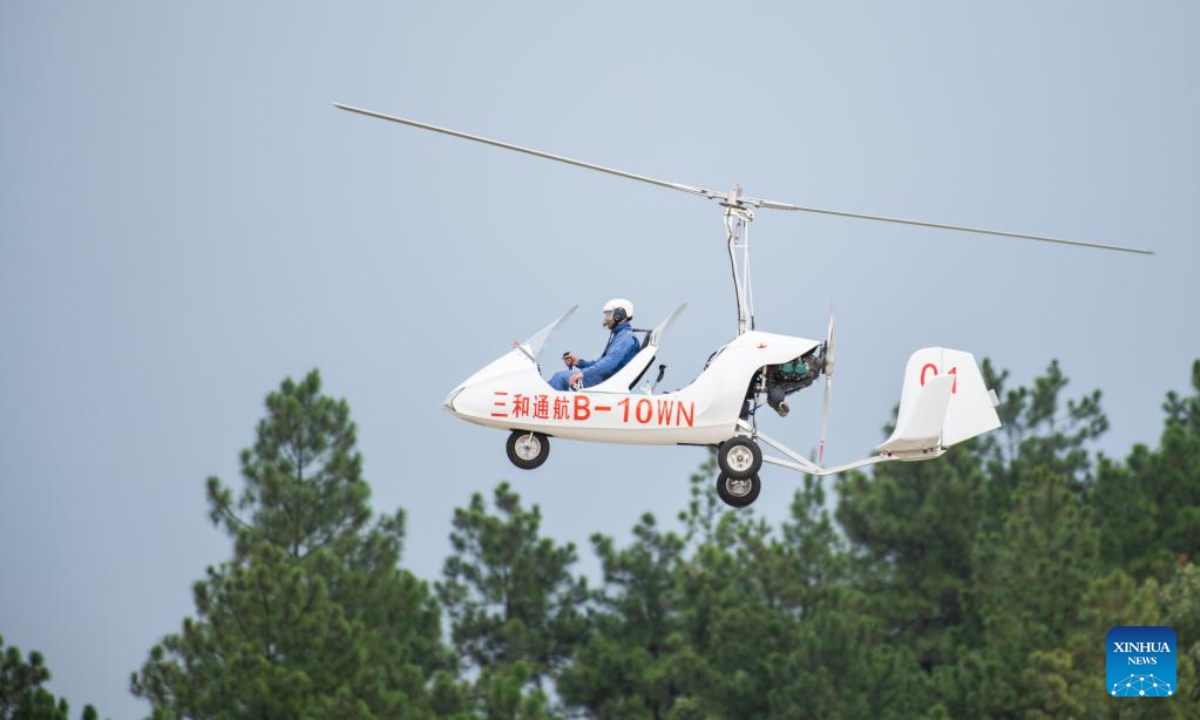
column 633, row 371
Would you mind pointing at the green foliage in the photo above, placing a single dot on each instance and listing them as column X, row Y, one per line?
column 311, row 617
column 728, row 619
column 502, row 694
column 630, row 666
column 515, row 608
column 22, row 696
column 1038, row 548
column 981, row 585
column 1148, row 506
column 1179, row 603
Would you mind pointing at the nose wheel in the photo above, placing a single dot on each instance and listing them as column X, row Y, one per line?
column 527, row 450
column 738, row 492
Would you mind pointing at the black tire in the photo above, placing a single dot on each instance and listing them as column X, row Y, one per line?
column 527, row 450
column 734, row 491
column 739, row 457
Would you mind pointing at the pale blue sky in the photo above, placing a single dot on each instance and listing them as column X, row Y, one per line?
column 187, row 220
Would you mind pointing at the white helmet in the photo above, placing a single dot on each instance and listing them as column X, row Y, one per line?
column 621, row 309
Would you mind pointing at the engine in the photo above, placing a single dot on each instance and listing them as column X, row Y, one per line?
column 779, row 381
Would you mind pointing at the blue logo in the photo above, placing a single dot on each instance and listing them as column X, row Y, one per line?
column 1141, row 661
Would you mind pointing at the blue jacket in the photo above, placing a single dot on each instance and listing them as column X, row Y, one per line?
column 622, row 346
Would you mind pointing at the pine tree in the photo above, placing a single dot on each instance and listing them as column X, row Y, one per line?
column 311, row 617
column 1031, row 578
column 1179, row 603
column 731, row 620
column 1149, row 507
column 22, row 696
column 515, row 608
column 917, row 523
column 633, row 664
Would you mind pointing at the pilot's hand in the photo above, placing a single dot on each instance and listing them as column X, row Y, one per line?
column 570, row 360
column 576, row 377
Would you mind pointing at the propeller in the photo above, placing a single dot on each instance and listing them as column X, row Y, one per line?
column 827, row 370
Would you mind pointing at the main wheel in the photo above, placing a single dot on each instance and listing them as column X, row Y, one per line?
column 527, row 450
column 739, row 457
column 738, row 492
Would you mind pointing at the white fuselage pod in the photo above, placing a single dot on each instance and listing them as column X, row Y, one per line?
column 510, row 394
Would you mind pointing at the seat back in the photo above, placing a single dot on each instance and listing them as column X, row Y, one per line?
column 624, row 379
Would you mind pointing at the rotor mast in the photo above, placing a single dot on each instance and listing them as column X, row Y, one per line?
column 737, row 237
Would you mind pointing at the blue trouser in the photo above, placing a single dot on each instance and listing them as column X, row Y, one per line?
column 559, row 380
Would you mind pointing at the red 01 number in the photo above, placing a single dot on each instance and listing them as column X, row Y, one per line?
column 931, row 366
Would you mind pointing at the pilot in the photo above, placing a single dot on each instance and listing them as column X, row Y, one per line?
column 622, row 346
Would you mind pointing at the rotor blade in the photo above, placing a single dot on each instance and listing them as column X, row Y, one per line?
column 772, row 205
column 702, row 192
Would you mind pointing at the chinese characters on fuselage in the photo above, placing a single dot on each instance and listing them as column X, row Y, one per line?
column 578, row 407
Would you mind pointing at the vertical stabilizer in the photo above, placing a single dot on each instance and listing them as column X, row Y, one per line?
column 967, row 410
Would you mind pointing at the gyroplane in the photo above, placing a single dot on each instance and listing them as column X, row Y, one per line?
column 943, row 398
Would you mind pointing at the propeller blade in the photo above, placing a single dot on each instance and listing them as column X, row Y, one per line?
column 702, row 192
column 824, row 419
column 772, row 205
column 827, row 370
column 830, row 345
